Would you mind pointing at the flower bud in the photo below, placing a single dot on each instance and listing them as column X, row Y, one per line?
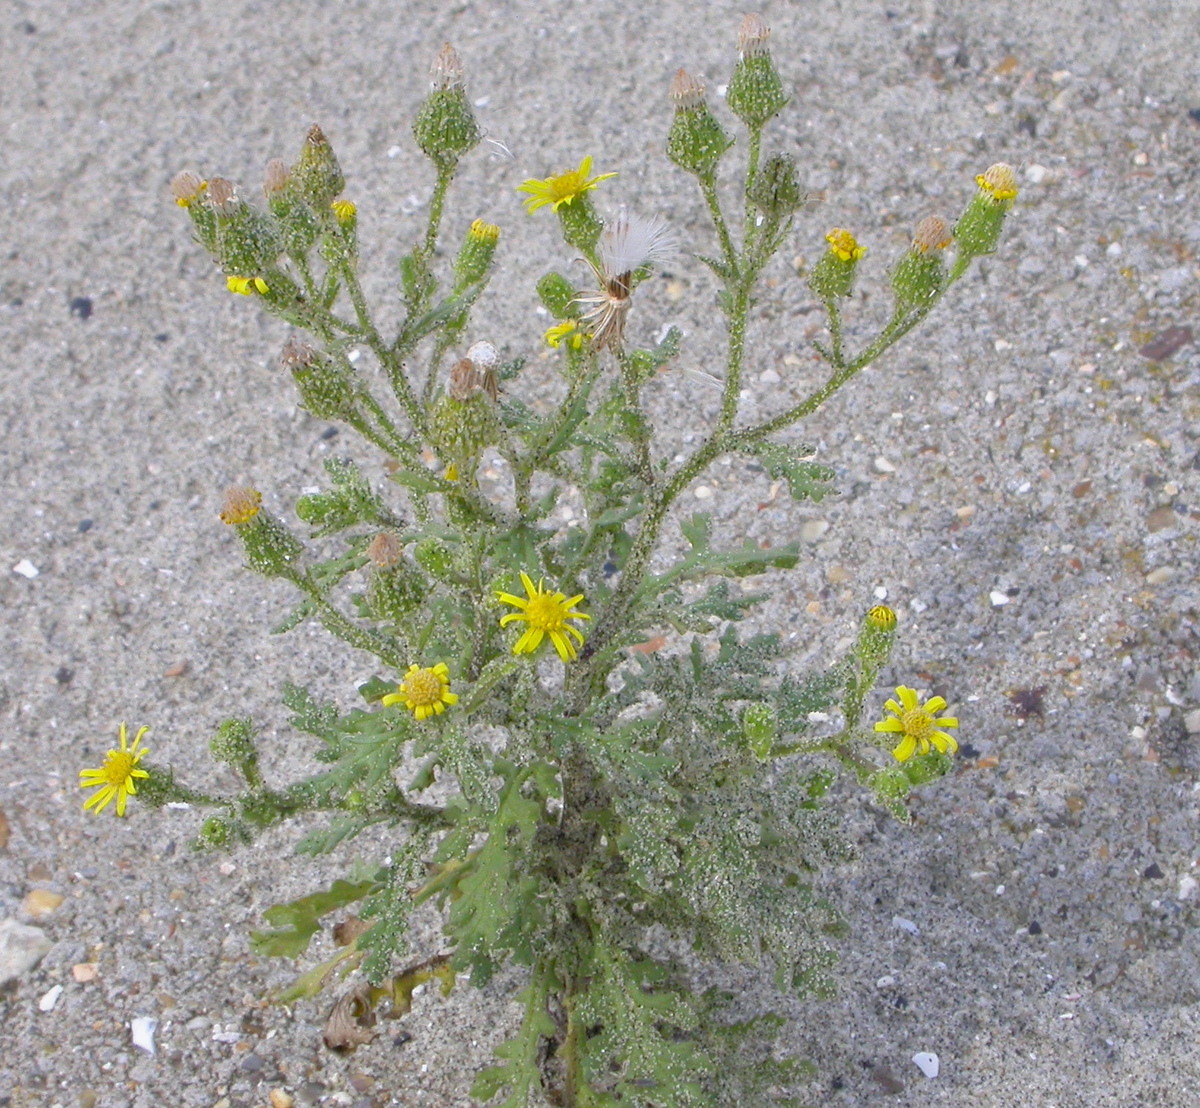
column 245, row 240
column 978, row 229
column 233, row 744
column 759, row 727
column 557, row 294
column 270, row 547
column 317, row 174
column 475, row 257
column 298, row 225
column 191, row 193
column 445, row 126
column 325, row 383
column 920, row 276
column 696, row 142
column 396, row 587
column 776, row 190
column 755, row 91
column 833, row 275
column 876, row 637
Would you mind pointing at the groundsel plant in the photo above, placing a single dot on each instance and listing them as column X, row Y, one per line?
column 568, row 747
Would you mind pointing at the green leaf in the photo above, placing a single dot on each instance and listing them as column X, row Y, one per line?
column 496, row 909
column 297, row 921
column 494, row 674
column 306, row 609
column 635, row 1026
column 519, row 1071
column 388, row 908
column 806, row 480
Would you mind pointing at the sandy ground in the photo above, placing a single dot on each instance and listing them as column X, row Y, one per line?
column 1019, row 448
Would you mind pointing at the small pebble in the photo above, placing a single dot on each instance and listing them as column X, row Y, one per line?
column 142, row 1030
column 49, row 999
column 1160, row 576
column 26, row 569
column 281, row 1098
column 905, row 925
column 40, row 902
column 927, row 1063
column 885, row 982
column 882, row 465
column 998, row 598
column 703, row 492
column 84, row 972
column 1187, row 887
column 813, row 529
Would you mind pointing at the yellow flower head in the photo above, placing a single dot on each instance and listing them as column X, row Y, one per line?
column 424, row 692
column 116, row 777
column 562, row 189
column 546, row 613
column 567, row 331
column 918, row 724
column 845, row 245
column 344, row 211
column 998, row 181
column 482, row 231
column 882, row 617
column 246, row 286
column 241, row 505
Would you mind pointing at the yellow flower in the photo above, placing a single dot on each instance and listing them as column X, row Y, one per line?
column 569, row 331
column 482, row 231
column 918, row 724
column 343, row 211
column 845, row 245
column 547, row 614
column 241, row 505
column 562, row 189
column 116, row 776
column 425, row 692
column 246, row 286
column 998, row 181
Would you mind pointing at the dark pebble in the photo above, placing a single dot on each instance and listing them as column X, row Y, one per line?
column 85, row 525
column 82, row 307
column 1165, row 343
column 1035, row 928
column 1152, row 872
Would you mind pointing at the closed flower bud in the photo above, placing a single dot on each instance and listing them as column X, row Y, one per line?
column 233, row 744
column 325, row 383
column 557, row 294
column 396, row 586
column 318, row 176
column 270, row 547
column 445, row 127
column 833, row 275
column 298, row 225
column 755, row 91
column 920, row 276
column 697, row 141
column 776, row 190
column 475, row 257
column 758, row 729
column 191, row 193
column 246, row 241
column 276, row 177
column 979, row 227
column 876, row 637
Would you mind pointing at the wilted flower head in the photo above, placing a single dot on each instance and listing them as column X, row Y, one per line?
column 275, row 177
column 187, row 188
column 628, row 243
column 999, row 181
column 447, row 69
column 687, row 92
column 932, row 233
column 386, row 550
column 241, row 504
column 223, row 195
column 752, row 36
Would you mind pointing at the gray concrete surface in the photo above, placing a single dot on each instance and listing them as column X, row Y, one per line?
column 1019, row 444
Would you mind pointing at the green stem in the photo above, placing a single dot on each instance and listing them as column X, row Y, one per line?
column 709, row 188
column 344, row 628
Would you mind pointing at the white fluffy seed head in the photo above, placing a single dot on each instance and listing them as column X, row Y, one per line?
column 631, row 242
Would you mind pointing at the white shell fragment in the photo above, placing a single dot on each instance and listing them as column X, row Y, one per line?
column 998, row 598
column 142, row 1029
column 905, row 925
column 26, row 569
column 49, row 998
column 927, row 1063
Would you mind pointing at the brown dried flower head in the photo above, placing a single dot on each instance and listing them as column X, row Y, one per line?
column 465, row 380
column 186, row 188
column 296, row 353
column 386, row 550
column 752, row 36
column 447, row 69
column 223, row 195
column 687, row 92
column 275, row 177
